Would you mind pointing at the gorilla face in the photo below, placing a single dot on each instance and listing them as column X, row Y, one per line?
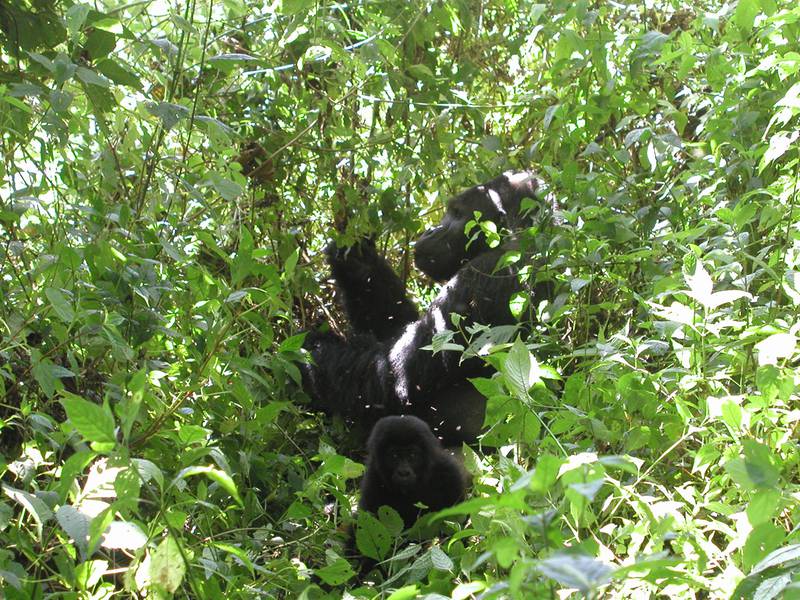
column 441, row 250
column 402, row 449
column 405, row 464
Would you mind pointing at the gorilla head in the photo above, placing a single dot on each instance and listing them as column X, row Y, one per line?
column 408, row 466
column 441, row 250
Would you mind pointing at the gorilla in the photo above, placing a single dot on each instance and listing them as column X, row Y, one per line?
column 381, row 368
column 406, row 465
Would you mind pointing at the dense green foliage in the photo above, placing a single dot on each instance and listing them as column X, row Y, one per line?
column 170, row 174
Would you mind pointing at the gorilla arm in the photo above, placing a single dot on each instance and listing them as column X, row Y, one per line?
column 373, row 296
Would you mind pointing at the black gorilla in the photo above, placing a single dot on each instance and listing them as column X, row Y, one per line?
column 382, row 369
column 406, row 466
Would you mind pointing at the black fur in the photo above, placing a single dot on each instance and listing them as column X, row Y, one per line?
column 382, row 370
column 379, row 306
column 407, row 466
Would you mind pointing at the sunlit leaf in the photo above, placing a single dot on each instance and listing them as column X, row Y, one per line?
column 92, row 421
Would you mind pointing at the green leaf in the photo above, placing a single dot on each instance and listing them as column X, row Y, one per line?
column 223, row 479
column 100, row 43
column 123, row 535
column 243, row 263
column 290, row 264
column 760, row 462
column 440, row 560
column 546, row 473
column 293, row 7
column 47, row 374
column 229, row 190
column 76, row 524
column 420, row 72
column 75, row 18
column 576, row 571
column 409, row 592
column 756, row 469
column 60, row 304
column 745, row 14
column 335, row 573
column 391, row 520
column 239, row 553
column 700, row 285
column 372, row 538
column 763, row 539
column 170, row 114
column 520, row 370
column 118, row 73
column 293, row 343
column 90, row 77
column 167, row 565
column 40, row 512
column 95, row 423
column 128, row 409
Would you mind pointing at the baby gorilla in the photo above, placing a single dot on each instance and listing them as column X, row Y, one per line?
column 407, row 466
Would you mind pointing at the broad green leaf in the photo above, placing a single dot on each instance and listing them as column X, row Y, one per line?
column 229, row 190
column 372, row 538
column 119, row 73
column 759, row 461
column 167, row 565
column 576, row 571
column 128, row 409
column 699, row 283
column 408, row 592
column 786, row 556
column 94, row 422
column 243, row 263
column 123, row 535
column 546, row 473
column 763, row 539
column 292, row 7
column 60, row 304
column 239, row 553
column 40, row 512
column 421, row 72
column 520, row 370
column 506, row 550
column 223, row 479
column 745, row 14
column 89, row 573
column 588, row 489
column 170, row 114
column 792, row 98
column 90, row 77
column 440, row 560
column 76, row 524
column 75, row 18
column 336, row 573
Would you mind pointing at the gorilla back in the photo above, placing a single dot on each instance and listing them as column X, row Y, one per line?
column 381, row 369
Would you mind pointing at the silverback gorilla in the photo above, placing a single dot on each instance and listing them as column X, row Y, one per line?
column 381, row 368
column 407, row 466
